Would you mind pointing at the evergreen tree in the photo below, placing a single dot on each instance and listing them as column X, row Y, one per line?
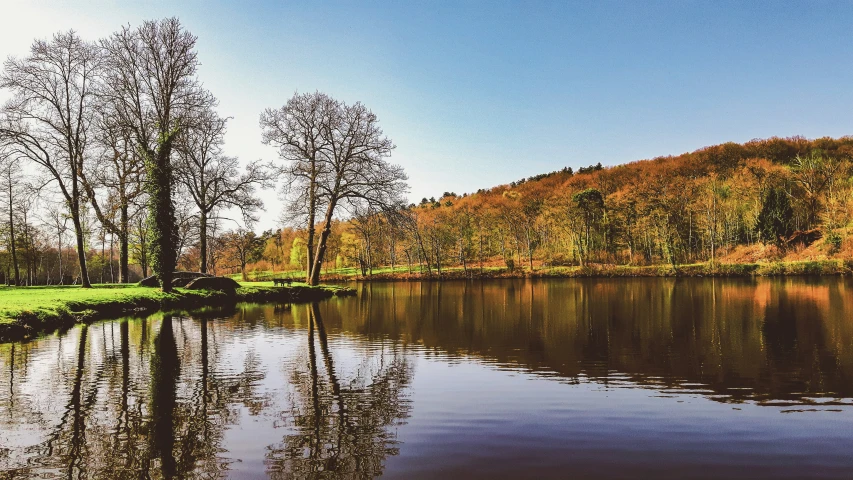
column 774, row 220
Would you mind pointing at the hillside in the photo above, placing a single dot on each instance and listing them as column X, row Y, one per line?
column 779, row 199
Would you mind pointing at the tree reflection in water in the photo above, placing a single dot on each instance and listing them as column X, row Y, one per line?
column 324, row 385
column 156, row 414
column 165, row 370
column 134, row 399
column 342, row 431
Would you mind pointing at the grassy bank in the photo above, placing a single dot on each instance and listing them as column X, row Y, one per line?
column 27, row 311
column 816, row 267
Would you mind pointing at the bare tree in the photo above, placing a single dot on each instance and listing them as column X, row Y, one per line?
column 118, row 171
column 212, row 179
column 9, row 171
column 57, row 220
column 152, row 85
column 186, row 220
column 297, row 131
column 49, row 116
column 354, row 170
column 337, row 157
column 245, row 247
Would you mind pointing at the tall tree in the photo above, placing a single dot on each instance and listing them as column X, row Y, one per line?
column 213, row 179
column 353, row 169
column 9, row 175
column 298, row 130
column 49, row 117
column 151, row 83
column 774, row 220
column 119, row 170
column 245, row 247
column 815, row 173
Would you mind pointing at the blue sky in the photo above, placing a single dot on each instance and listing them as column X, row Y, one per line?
column 476, row 94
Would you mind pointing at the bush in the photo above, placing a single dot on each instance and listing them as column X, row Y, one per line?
column 510, row 265
column 834, row 240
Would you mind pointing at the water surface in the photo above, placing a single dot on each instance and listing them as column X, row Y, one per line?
column 623, row 378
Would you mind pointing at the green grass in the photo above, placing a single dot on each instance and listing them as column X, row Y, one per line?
column 49, row 301
column 28, row 310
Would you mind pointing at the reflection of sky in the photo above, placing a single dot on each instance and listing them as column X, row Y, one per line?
column 472, row 414
column 472, row 419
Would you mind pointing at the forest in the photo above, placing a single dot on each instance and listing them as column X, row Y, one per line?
column 113, row 167
column 762, row 201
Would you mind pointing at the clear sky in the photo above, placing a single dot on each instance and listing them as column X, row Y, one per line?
column 476, row 94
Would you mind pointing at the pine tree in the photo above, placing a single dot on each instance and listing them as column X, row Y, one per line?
column 774, row 220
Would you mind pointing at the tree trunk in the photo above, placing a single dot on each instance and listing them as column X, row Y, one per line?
column 81, row 246
column 392, row 253
column 529, row 249
column 12, row 238
column 112, row 258
column 162, row 215
column 61, row 276
column 321, row 248
column 408, row 260
column 124, row 247
column 103, row 252
column 369, row 256
column 423, row 255
column 312, row 206
column 202, row 239
column 481, row 250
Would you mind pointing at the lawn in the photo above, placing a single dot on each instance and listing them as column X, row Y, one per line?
column 25, row 311
column 16, row 302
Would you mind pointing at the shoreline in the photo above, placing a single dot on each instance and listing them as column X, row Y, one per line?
column 761, row 269
column 25, row 323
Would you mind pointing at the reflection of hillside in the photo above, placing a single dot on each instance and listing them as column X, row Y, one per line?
column 744, row 339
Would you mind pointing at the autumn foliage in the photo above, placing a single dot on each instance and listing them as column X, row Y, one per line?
column 762, row 200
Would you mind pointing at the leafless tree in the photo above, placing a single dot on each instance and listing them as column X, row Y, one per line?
column 117, row 172
column 297, row 131
column 347, row 168
column 213, row 180
column 10, row 176
column 152, row 84
column 186, row 220
column 245, row 247
column 57, row 220
column 355, row 170
column 49, row 117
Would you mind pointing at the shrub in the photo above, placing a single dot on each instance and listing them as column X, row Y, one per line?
column 834, row 240
column 510, row 265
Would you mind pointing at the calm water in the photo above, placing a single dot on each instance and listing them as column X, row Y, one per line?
column 661, row 378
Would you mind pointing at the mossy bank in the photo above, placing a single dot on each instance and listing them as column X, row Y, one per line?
column 29, row 311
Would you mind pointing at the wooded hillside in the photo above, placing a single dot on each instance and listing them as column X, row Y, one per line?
column 780, row 198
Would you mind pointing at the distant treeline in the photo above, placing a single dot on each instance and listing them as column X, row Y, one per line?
column 764, row 199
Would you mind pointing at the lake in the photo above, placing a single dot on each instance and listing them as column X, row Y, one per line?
column 569, row 378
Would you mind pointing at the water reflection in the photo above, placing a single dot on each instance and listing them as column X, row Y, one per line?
column 324, row 390
column 341, row 431
column 154, row 398
column 765, row 340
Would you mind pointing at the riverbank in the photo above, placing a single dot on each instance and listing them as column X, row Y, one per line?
column 781, row 268
column 28, row 311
